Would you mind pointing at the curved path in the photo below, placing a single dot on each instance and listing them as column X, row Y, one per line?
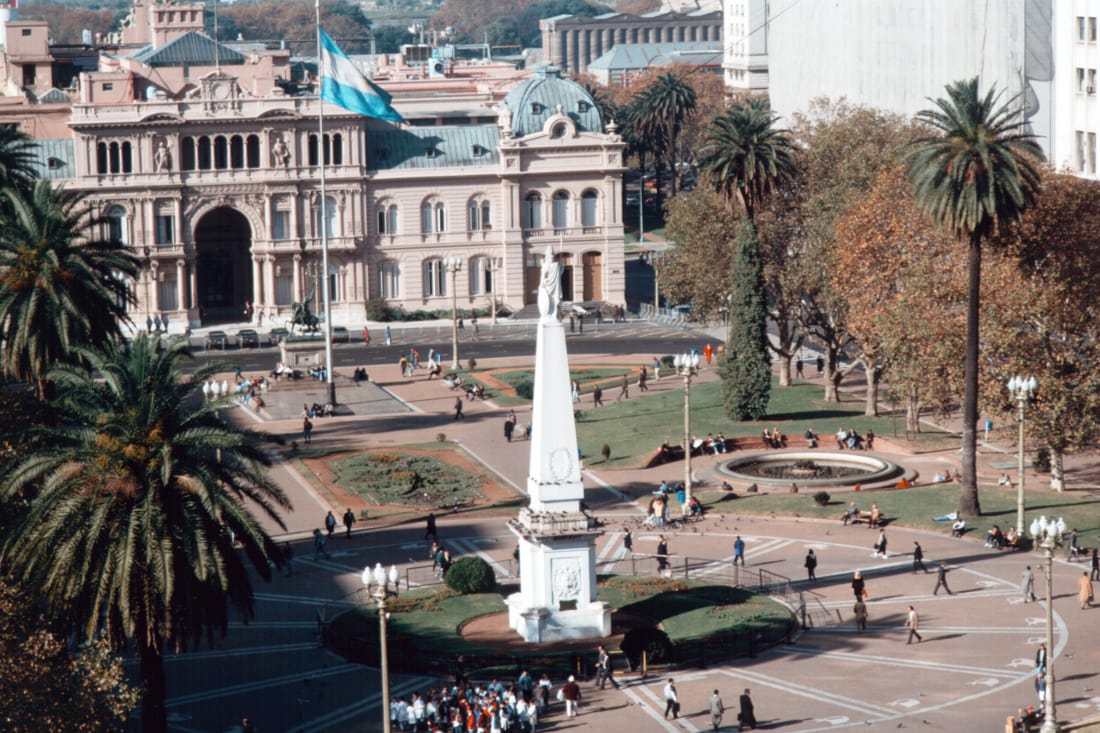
column 974, row 667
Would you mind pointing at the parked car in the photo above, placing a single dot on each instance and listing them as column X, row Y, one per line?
column 248, row 338
column 277, row 335
column 217, row 340
column 340, row 335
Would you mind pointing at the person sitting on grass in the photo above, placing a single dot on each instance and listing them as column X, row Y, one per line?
column 1004, row 480
column 695, row 509
column 958, row 529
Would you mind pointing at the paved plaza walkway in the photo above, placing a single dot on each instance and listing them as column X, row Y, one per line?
column 973, row 668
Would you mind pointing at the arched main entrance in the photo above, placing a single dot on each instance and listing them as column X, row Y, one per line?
column 223, row 242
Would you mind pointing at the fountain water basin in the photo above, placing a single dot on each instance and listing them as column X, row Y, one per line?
column 811, row 469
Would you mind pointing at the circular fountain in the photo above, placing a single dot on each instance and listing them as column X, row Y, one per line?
column 811, row 469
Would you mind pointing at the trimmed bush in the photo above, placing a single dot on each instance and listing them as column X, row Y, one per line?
column 525, row 388
column 649, row 639
column 822, row 498
column 471, row 574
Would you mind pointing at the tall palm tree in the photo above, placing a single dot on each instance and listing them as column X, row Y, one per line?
column 977, row 173
column 16, row 158
column 133, row 506
column 665, row 105
column 746, row 154
column 59, row 286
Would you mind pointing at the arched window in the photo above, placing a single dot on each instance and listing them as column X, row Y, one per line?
column 389, row 274
column 337, row 149
column 204, row 153
column 387, row 217
column 187, row 154
column 101, row 158
column 236, row 152
column 532, row 211
column 334, row 284
column 433, row 217
column 113, row 155
column 479, row 214
column 481, row 275
column 127, row 158
column 311, row 150
column 435, row 279
column 252, row 151
column 221, row 153
column 561, row 210
column 116, row 225
column 590, row 208
column 331, row 215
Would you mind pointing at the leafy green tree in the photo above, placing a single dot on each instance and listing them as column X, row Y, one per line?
column 16, row 158
column 745, row 368
column 58, row 290
column 697, row 269
column 47, row 686
column 975, row 174
column 746, row 155
column 133, row 505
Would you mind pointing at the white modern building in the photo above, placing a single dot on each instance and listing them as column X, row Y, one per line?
column 897, row 54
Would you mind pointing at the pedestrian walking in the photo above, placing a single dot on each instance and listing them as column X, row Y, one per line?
column 597, row 396
column 820, row 365
column 288, row 559
column 1027, row 585
column 458, row 409
column 571, row 693
column 604, row 669
column 389, row 336
column 319, row 545
column 912, row 621
column 662, row 555
column 739, row 551
column 349, row 521
column 1041, row 657
column 656, row 369
column 859, row 610
column 1084, row 591
column 643, row 375
column 859, row 588
column 307, row 431
column 576, row 389
column 672, row 702
column 628, row 544
column 918, row 558
column 1095, row 575
column 509, row 428
column 941, row 579
column 747, row 715
column 880, row 545
column 624, row 390
column 810, row 565
column 716, row 710
column 430, row 530
column 798, row 368
column 330, row 522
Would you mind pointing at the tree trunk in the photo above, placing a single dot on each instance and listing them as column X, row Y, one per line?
column 870, row 406
column 154, row 714
column 784, row 370
column 968, row 494
column 912, row 416
column 833, row 374
column 1057, row 470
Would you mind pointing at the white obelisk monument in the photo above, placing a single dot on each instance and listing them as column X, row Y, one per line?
column 557, row 548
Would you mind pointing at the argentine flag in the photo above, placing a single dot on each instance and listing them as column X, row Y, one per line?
column 345, row 87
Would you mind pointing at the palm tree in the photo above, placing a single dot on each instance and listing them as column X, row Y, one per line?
column 16, row 158
column 746, row 154
column 134, row 504
column 976, row 174
column 58, row 289
column 665, row 106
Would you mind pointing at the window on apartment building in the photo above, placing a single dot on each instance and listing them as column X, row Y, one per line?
column 560, row 210
column 236, row 152
column 481, row 276
column 1080, row 80
column 221, row 153
column 205, row 156
column 116, row 225
column 1080, row 162
column 168, row 295
column 1092, row 30
column 26, row 32
column 1090, row 88
column 433, row 217
column 435, row 278
column 252, row 151
column 30, row 74
column 479, row 214
column 1081, row 28
column 114, row 157
column 532, row 211
column 590, row 208
column 389, row 280
column 166, row 228
column 280, row 224
column 108, row 86
column 1091, row 145
column 387, row 217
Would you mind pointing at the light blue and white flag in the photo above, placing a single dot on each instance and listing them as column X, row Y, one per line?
column 344, row 86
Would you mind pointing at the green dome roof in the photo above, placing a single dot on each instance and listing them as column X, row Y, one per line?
column 545, row 94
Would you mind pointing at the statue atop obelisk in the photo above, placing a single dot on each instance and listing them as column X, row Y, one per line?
column 557, row 598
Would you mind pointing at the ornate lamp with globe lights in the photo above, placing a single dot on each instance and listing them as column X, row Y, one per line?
column 687, row 366
column 453, row 263
column 1021, row 389
column 1047, row 536
column 381, row 585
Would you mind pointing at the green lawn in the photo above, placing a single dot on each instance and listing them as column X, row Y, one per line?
column 916, row 507
column 636, row 427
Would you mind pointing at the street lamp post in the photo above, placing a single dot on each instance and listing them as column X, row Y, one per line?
column 453, row 265
column 378, row 583
column 1047, row 535
column 492, row 267
column 1021, row 389
column 687, row 366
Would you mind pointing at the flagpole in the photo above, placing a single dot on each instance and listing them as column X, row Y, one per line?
column 324, row 210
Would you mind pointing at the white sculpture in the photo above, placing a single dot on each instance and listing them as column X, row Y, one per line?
column 549, row 286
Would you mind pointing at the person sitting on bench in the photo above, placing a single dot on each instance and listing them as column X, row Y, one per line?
column 851, row 514
column 435, row 370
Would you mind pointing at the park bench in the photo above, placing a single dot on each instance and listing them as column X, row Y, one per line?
column 755, row 443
